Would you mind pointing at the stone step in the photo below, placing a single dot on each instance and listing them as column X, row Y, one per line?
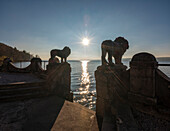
column 21, row 90
column 43, row 76
column 24, row 90
column 20, row 85
column 22, row 96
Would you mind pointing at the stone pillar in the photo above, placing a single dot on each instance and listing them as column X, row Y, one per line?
column 59, row 80
column 36, row 65
column 111, row 83
column 142, row 78
column 5, row 65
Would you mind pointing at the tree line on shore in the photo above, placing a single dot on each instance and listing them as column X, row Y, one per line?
column 13, row 53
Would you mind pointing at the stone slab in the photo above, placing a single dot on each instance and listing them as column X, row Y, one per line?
column 75, row 117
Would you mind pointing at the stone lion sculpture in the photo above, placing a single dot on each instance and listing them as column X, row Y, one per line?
column 114, row 48
column 64, row 53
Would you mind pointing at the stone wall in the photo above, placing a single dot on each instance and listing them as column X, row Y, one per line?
column 142, row 78
column 162, row 88
column 124, row 95
column 34, row 67
column 148, row 85
column 57, row 78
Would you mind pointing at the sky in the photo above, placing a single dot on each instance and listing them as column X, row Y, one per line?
column 39, row 26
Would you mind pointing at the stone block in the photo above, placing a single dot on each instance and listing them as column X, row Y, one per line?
column 100, row 106
column 101, row 85
column 141, row 99
column 143, row 86
column 59, row 79
column 142, row 74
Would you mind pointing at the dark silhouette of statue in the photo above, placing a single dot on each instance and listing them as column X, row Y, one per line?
column 64, row 53
column 114, row 48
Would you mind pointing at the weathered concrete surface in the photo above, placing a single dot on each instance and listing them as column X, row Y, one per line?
column 42, row 113
column 30, row 115
column 12, row 116
column 75, row 117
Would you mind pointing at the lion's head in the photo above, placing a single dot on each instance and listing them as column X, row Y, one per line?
column 66, row 51
column 123, row 42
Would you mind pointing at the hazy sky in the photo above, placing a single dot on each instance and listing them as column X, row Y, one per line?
column 38, row 26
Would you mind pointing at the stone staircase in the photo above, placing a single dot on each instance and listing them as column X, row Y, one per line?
column 21, row 90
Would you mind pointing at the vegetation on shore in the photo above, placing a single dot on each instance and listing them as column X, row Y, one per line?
column 13, row 53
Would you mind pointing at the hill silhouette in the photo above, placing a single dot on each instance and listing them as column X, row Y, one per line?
column 13, row 53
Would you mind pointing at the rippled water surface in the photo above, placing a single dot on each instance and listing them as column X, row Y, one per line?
column 83, row 82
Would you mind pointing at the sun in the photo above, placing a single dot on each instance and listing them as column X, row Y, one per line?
column 85, row 41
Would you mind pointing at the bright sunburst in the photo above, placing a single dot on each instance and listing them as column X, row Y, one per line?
column 85, row 41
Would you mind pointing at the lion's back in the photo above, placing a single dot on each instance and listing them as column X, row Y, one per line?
column 106, row 44
column 112, row 47
column 56, row 52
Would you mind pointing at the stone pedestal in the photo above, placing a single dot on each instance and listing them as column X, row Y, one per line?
column 111, row 83
column 142, row 78
column 59, row 80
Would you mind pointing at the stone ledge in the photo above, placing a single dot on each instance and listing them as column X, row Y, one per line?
column 137, row 98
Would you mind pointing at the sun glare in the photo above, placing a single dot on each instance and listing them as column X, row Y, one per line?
column 85, row 41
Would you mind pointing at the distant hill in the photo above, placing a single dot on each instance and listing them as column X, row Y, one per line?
column 13, row 53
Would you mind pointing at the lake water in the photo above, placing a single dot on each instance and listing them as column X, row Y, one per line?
column 83, row 80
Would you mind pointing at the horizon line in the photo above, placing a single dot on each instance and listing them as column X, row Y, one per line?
column 100, row 59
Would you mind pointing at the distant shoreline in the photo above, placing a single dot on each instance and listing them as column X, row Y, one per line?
column 158, row 58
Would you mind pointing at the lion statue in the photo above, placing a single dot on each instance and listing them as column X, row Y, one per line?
column 64, row 53
column 114, row 48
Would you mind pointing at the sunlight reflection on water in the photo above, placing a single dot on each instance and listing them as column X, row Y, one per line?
column 82, row 94
column 85, row 81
